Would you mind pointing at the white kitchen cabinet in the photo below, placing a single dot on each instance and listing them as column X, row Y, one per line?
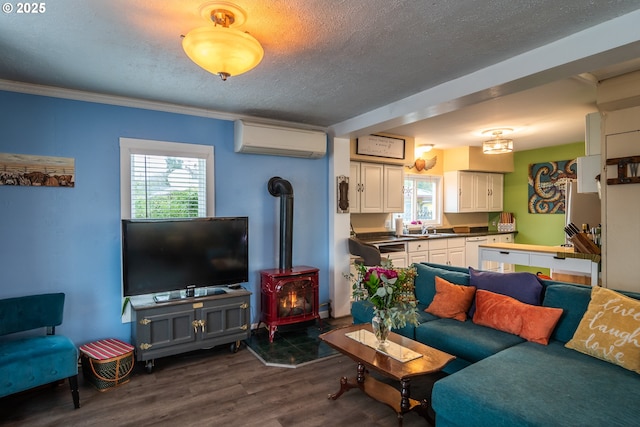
column 449, row 251
column 393, row 184
column 375, row 188
column 588, row 169
column 418, row 251
column 354, row 187
column 473, row 192
column 495, row 192
column 480, row 191
column 366, row 192
column 399, row 259
column 458, row 192
column 456, row 251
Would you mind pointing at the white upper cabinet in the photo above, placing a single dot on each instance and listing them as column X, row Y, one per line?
column 473, row 192
column 375, row 188
column 495, row 192
column 393, row 185
column 354, row 187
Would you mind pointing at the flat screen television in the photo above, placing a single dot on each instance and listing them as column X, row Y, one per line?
column 177, row 254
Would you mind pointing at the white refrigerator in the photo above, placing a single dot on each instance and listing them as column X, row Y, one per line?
column 581, row 208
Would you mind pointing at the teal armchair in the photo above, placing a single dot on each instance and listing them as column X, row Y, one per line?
column 29, row 359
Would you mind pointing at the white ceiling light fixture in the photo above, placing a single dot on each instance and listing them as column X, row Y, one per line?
column 498, row 144
column 221, row 49
column 422, row 149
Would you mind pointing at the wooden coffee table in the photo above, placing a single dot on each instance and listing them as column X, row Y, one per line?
column 430, row 360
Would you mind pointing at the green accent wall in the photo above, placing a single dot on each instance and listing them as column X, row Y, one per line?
column 535, row 229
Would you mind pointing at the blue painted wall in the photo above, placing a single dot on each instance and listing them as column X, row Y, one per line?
column 68, row 239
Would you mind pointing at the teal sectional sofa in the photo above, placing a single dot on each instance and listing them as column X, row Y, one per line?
column 501, row 379
column 29, row 357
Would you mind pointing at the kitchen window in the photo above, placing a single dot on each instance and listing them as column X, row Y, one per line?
column 422, row 199
column 165, row 179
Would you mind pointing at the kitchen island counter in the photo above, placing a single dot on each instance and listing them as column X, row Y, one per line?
column 561, row 258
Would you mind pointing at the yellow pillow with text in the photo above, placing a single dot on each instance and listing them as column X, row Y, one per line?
column 610, row 329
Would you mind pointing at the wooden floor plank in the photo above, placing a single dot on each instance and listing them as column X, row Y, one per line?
column 208, row 388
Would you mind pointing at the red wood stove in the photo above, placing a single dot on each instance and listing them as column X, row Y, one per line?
column 289, row 296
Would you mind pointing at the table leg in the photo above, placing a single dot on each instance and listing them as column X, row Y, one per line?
column 360, row 376
column 345, row 385
column 423, row 410
column 405, row 394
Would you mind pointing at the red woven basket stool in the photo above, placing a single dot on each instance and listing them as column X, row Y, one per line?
column 107, row 363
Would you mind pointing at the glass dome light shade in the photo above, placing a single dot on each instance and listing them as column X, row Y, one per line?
column 223, row 51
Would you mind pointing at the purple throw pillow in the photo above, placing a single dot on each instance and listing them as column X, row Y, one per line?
column 523, row 286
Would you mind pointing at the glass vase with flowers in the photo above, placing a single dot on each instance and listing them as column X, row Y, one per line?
column 391, row 292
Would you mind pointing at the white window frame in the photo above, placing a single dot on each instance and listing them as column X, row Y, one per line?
column 437, row 221
column 129, row 146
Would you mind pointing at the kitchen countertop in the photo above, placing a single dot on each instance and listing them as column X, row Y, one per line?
column 531, row 248
column 375, row 238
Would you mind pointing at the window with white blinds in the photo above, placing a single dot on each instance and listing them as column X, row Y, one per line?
column 166, row 180
column 167, row 187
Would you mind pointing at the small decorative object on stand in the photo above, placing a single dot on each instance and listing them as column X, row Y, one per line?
column 391, row 292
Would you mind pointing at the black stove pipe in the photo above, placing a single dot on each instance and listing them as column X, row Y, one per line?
column 282, row 188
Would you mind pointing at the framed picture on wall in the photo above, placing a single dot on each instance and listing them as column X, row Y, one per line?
column 37, row 171
column 381, row 146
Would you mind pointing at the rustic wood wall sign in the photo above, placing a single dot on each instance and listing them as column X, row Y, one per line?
column 547, row 183
column 37, row 171
column 381, row 146
column 627, row 171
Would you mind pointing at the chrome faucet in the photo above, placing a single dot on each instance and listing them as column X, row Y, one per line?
column 426, row 228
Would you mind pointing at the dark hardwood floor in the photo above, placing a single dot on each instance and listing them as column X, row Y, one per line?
column 213, row 388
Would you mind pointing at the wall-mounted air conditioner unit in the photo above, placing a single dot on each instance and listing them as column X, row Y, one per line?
column 258, row 138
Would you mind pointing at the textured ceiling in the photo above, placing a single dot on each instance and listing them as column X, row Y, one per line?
column 326, row 62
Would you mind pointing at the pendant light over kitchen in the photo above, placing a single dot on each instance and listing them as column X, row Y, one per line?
column 498, row 144
column 221, row 49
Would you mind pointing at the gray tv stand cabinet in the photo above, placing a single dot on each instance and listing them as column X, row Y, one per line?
column 160, row 329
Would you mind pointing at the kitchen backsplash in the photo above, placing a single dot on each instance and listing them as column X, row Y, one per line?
column 371, row 223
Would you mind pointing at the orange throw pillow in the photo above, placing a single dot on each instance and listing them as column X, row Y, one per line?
column 451, row 301
column 531, row 322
